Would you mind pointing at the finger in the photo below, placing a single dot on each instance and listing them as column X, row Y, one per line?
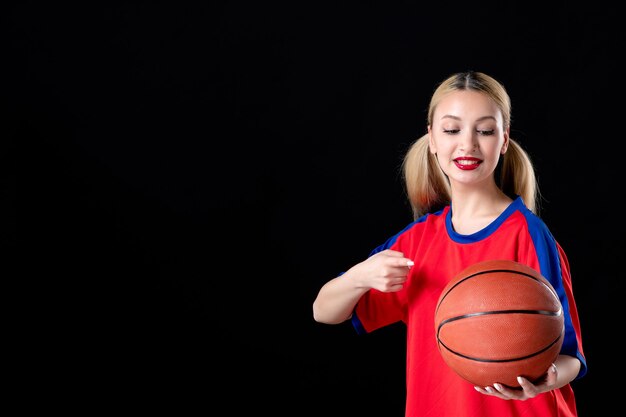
column 400, row 280
column 494, row 392
column 394, row 253
column 523, row 382
column 480, row 389
column 506, row 392
column 401, row 263
column 399, row 258
column 396, row 284
column 488, row 391
column 527, row 386
column 552, row 375
column 400, row 270
column 395, row 288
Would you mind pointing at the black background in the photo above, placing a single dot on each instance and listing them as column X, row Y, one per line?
column 190, row 174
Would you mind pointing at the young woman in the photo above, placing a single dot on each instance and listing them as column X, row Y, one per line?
column 463, row 215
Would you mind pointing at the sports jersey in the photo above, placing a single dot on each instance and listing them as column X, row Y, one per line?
column 439, row 253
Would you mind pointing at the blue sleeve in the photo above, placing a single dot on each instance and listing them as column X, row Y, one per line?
column 549, row 258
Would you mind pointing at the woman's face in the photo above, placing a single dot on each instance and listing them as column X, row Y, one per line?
column 467, row 136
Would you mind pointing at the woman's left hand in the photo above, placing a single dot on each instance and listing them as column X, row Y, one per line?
column 528, row 389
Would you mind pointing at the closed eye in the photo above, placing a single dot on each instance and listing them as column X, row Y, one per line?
column 451, row 131
column 486, row 132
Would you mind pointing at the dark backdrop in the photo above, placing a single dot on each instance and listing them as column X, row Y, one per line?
column 190, row 174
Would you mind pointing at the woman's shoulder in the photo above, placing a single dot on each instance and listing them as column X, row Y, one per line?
column 533, row 217
column 533, row 223
column 415, row 227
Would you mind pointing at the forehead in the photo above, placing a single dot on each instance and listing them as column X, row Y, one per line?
column 466, row 104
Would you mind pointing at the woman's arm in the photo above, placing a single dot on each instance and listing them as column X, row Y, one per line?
column 385, row 271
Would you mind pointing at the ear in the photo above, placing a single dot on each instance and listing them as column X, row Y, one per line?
column 431, row 142
column 505, row 145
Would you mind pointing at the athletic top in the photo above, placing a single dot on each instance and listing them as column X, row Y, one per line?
column 439, row 253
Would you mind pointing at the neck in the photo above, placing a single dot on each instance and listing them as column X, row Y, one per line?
column 474, row 209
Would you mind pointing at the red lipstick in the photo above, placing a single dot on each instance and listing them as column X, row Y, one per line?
column 467, row 163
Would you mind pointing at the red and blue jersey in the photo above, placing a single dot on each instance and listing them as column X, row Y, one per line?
column 439, row 253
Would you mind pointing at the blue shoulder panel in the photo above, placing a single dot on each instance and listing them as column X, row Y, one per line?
column 550, row 268
column 389, row 242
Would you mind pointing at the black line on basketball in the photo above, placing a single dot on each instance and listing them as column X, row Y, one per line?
column 490, row 272
column 486, row 313
column 501, row 360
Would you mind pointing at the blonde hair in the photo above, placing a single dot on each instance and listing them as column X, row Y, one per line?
column 428, row 188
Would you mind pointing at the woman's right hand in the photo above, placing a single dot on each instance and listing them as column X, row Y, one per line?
column 385, row 271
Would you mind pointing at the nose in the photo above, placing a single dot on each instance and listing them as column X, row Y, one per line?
column 467, row 141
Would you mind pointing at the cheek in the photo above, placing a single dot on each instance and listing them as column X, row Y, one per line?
column 442, row 147
column 492, row 147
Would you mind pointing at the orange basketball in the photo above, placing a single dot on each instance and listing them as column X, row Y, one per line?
column 497, row 320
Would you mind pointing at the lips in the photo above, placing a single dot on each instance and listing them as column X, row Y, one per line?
column 467, row 163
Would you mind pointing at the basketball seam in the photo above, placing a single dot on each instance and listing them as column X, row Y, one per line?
column 440, row 343
column 489, row 272
column 486, row 313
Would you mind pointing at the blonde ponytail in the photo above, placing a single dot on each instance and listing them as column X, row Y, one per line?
column 517, row 176
column 426, row 185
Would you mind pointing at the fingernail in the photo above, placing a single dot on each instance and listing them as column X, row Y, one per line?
column 498, row 387
column 520, row 380
column 476, row 388
column 553, row 369
column 410, row 263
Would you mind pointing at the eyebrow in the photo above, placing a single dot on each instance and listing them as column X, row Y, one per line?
column 480, row 119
